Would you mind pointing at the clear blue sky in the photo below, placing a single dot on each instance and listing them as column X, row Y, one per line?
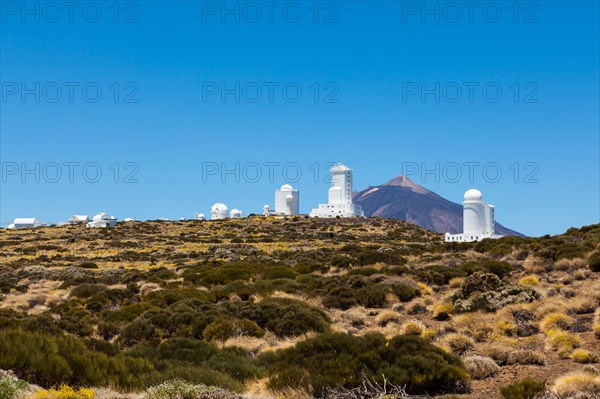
column 371, row 61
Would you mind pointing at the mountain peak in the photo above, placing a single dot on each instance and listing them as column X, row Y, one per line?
column 403, row 181
column 401, row 198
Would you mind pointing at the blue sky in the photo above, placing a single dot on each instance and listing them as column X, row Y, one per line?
column 385, row 86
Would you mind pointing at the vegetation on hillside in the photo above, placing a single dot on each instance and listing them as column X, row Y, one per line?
column 273, row 307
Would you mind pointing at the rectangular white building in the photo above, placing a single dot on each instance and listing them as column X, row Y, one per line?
column 340, row 202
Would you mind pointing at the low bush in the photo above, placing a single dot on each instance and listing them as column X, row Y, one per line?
column 554, row 321
column 480, row 367
column 459, row 344
column 593, row 261
column 332, row 360
column 577, row 385
column 413, row 327
column 486, row 265
column 529, row 281
column 65, row 392
column 12, row 387
column 30, row 354
column 525, row 389
column 562, row 341
column 485, row 291
column 525, row 356
column 178, row 389
column 584, row 356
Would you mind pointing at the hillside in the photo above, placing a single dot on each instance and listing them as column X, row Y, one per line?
column 403, row 199
column 296, row 308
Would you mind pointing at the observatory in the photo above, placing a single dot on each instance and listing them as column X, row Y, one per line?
column 25, row 223
column 102, row 220
column 287, row 200
column 478, row 219
column 218, row 211
column 236, row 214
column 78, row 219
column 200, row 216
column 340, row 196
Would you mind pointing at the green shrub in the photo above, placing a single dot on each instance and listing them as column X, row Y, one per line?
column 331, row 360
column 286, row 317
column 485, row 291
column 11, row 387
column 438, row 274
column 54, row 360
column 486, row 265
column 594, row 261
column 524, row 389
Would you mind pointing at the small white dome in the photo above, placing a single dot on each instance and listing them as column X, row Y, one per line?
column 289, row 198
column 266, row 207
column 473, row 195
column 286, row 187
column 235, row 213
column 339, row 168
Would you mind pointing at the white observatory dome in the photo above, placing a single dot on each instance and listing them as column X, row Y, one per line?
column 339, row 168
column 219, row 207
column 200, row 216
column 235, row 214
column 289, row 198
column 286, row 187
column 473, row 195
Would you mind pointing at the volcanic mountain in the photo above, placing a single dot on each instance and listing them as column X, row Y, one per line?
column 403, row 199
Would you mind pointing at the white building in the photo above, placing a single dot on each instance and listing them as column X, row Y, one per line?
column 287, row 200
column 25, row 223
column 200, row 216
column 340, row 201
column 77, row 219
column 102, row 220
column 219, row 211
column 236, row 214
column 478, row 219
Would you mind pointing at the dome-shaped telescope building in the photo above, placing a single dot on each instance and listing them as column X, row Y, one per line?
column 236, row 214
column 219, row 211
column 287, row 200
column 478, row 219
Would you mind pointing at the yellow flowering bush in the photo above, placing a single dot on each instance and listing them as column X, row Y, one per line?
column 65, row 392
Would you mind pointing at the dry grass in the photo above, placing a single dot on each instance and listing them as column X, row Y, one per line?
column 562, row 341
column 459, row 344
column 577, row 385
column 554, row 321
column 480, row 367
column 529, row 281
column 584, row 356
column 412, row 327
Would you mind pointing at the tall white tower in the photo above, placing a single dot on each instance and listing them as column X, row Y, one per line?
column 478, row 219
column 287, row 200
column 340, row 201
